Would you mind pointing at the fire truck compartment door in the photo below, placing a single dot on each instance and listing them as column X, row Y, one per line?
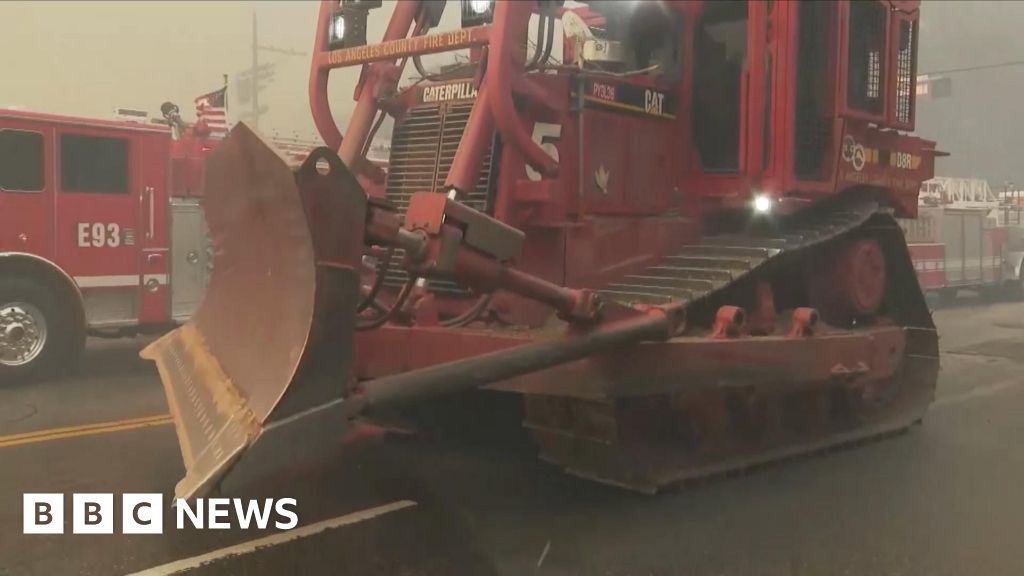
column 190, row 257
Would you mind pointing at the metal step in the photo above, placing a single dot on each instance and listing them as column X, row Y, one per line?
column 629, row 297
column 680, row 272
column 737, row 264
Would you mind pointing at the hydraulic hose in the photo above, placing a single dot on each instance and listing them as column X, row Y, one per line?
column 399, row 302
column 469, row 315
column 378, row 280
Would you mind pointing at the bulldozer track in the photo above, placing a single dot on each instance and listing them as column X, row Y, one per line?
column 590, row 438
column 699, row 271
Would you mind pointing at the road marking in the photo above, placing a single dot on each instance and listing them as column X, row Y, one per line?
column 84, row 430
column 179, row 566
column 980, row 392
column 1013, row 325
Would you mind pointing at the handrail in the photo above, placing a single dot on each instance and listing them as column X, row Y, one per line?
column 494, row 107
column 501, row 62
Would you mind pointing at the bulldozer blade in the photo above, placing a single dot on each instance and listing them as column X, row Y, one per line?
column 265, row 362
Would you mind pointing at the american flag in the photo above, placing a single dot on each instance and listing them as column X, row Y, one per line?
column 212, row 109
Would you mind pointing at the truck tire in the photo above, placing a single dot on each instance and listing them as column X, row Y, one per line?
column 37, row 335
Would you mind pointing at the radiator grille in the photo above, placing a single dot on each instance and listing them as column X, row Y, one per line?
column 422, row 150
column 905, row 77
column 867, row 38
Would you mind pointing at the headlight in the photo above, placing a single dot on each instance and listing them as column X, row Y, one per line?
column 762, row 204
column 477, row 12
column 338, row 29
column 347, row 27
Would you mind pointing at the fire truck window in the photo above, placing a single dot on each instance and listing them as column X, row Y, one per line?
column 720, row 53
column 21, row 161
column 93, row 164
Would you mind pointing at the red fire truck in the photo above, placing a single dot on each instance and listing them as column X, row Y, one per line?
column 964, row 237
column 101, row 232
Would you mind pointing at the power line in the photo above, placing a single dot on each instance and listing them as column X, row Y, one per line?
column 973, row 68
column 285, row 51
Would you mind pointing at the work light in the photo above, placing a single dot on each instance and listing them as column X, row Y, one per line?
column 477, row 12
column 347, row 27
column 762, row 203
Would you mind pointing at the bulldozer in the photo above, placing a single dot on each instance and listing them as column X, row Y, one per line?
column 677, row 241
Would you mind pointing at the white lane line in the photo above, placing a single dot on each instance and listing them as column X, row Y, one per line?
column 980, row 392
column 273, row 540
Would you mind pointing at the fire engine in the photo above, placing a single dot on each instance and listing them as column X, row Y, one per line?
column 101, row 229
column 101, row 232
column 966, row 237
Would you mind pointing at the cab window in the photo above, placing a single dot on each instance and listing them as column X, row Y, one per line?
column 21, row 161
column 650, row 36
column 720, row 56
column 93, row 164
column 654, row 42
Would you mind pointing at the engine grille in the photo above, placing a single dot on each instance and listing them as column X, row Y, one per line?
column 864, row 62
column 423, row 147
column 906, row 84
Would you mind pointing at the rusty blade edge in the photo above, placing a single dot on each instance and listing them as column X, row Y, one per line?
column 237, row 428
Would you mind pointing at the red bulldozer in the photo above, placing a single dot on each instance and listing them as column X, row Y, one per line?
column 677, row 242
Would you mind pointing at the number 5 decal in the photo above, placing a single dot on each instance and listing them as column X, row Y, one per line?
column 546, row 135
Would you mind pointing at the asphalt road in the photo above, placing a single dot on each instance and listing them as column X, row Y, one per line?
column 944, row 498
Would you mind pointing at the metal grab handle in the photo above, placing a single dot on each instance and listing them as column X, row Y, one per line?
column 152, row 219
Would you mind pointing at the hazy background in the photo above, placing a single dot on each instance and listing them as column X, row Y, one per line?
column 87, row 58
column 982, row 123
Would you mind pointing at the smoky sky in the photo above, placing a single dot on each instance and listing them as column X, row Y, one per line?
column 87, row 58
column 982, row 123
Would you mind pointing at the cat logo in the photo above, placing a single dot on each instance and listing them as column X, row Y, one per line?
column 654, row 102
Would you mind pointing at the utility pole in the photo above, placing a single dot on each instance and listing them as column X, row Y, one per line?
column 250, row 82
column 255, row 86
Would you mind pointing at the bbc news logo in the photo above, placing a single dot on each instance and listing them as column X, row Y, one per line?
column 143, row 513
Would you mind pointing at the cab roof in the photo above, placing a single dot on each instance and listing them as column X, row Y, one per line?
column 7, row 113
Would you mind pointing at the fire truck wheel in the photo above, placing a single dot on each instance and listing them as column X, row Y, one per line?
column 36, row 336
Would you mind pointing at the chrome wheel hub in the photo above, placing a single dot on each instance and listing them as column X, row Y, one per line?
column 22, row 333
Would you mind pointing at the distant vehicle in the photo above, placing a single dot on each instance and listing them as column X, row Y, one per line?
column 101, row 232
column 966, row 237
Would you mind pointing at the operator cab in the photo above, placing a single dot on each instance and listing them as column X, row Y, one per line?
column 775, row 98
